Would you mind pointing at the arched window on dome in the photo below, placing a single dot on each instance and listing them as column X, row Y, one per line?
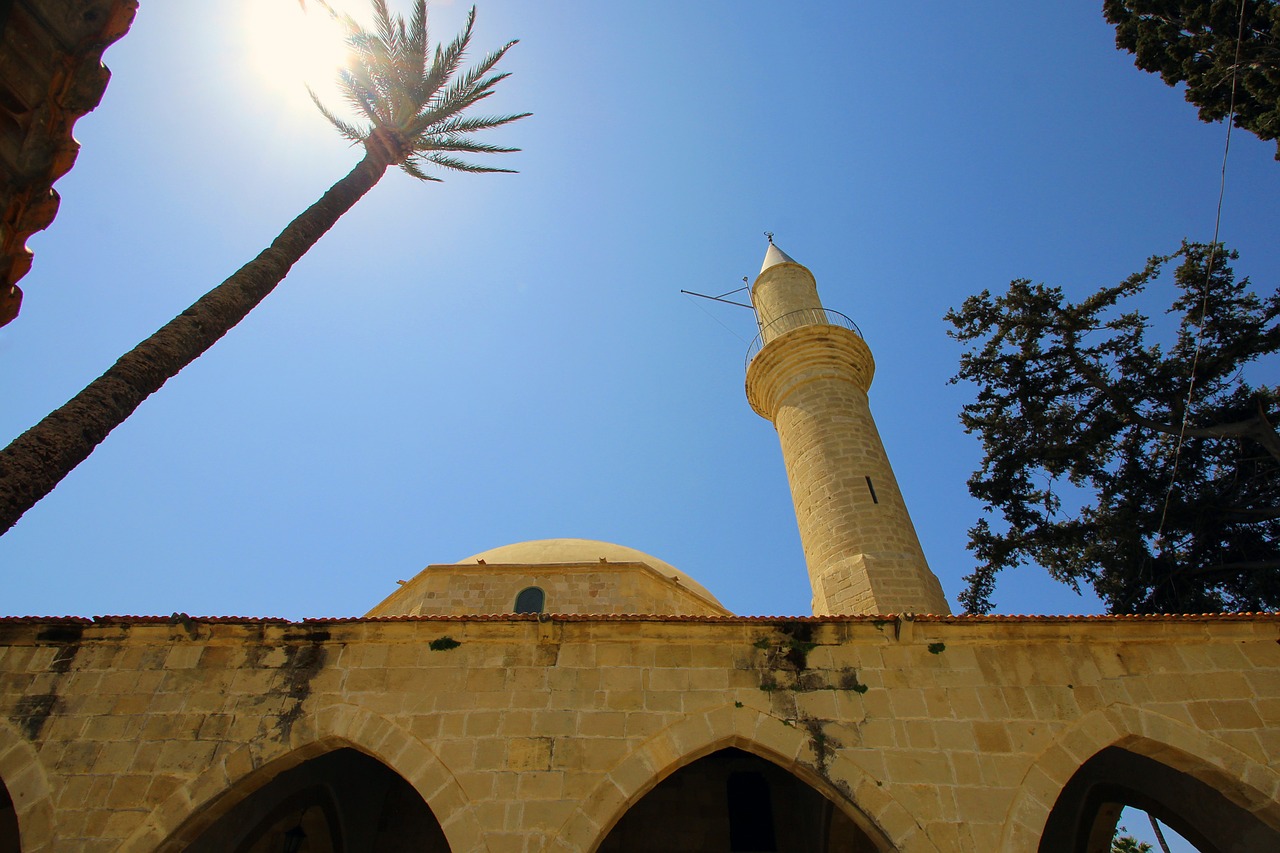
column 531, row 600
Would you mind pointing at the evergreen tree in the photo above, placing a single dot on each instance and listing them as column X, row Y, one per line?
column 1081, row 419
column 412, row 105
column 1207, row 44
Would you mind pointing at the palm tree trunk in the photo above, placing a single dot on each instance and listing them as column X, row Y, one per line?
column 1164, row 845
column 37, row 460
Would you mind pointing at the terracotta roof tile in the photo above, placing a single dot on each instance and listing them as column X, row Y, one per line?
column 640, row 617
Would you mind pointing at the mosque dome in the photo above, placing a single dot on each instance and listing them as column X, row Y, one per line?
column 566, row 576
column 563, row 551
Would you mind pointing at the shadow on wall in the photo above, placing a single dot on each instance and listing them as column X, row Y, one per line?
column 733, row 800
column 343, row 800
column 9, row 840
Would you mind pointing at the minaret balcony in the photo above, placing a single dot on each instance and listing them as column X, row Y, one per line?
column 799, row 319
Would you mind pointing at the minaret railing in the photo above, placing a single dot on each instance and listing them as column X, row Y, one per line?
column 795, row 320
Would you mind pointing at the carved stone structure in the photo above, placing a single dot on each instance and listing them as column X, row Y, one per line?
column 625, row 709
column 811, row 378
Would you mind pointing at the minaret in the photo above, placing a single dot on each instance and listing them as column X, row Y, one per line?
column 810, row 378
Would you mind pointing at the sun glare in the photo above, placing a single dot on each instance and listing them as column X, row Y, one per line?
column 291, row 48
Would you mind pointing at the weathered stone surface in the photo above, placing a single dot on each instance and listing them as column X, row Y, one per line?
column 971, row 721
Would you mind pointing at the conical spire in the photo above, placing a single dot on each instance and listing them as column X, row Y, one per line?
column 775, row 256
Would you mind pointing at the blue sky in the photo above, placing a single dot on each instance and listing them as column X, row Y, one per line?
column 508, row 357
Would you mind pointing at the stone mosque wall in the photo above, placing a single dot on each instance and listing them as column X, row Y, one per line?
column 530, row 733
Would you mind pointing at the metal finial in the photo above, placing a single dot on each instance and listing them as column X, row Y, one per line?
column 769, row 234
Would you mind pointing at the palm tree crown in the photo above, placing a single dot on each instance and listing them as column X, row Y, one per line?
column 412, row 104
column 412, row 101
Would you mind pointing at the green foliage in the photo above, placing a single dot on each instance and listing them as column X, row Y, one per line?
column 1195, row 42
column 1079, row 415
column 1128, row 844
column 937, row 648
column 801, row 646
column 411, row 101
column 443, row 644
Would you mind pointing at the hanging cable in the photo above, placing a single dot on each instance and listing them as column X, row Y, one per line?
column 717, row 319
column 1208, row 276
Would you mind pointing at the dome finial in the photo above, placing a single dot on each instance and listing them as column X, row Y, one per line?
column 769, row 236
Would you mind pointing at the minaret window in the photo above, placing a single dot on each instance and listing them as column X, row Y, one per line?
column 531, row 600
column 872, row 489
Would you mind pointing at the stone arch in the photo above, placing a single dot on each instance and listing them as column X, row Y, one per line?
column 1243, row 779
column 23, row 776
column 696, row 736
column 201, row 801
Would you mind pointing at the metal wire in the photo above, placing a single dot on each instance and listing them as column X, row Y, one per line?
column 1204, row 297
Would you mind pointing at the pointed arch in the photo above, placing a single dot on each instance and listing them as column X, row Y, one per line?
column 837, row 777
column 195, row 806
column 23, row 776
column 1247, row 781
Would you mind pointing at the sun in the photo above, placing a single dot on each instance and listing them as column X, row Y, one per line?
column 290, row 48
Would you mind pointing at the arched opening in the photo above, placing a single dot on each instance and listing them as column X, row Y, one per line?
column 735, row 801
column 1083, row 820
column 531, row 600
column 10, row 842
column 340, row 802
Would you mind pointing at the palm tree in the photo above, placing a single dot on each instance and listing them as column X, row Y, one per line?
column 412, row 106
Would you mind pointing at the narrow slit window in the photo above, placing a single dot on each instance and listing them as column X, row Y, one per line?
column 872, row 489
column 531, row 600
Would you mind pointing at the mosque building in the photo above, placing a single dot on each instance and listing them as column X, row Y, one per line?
column 570, row 696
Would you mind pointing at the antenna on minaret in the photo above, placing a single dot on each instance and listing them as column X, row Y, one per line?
column 721, row 297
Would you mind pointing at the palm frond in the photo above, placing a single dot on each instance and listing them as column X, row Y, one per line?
column 483, row 66
column 461, row 144
column 362, row 96
column 412, row 98
column 413, row 170
column 372, row 64
column 382, row 20
column 471, row 124
column 346, row 130
column 434, row 121
column 446, row 61
column 416, row 52
column 468, row 89
column 451, row 103
column 458, row 165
